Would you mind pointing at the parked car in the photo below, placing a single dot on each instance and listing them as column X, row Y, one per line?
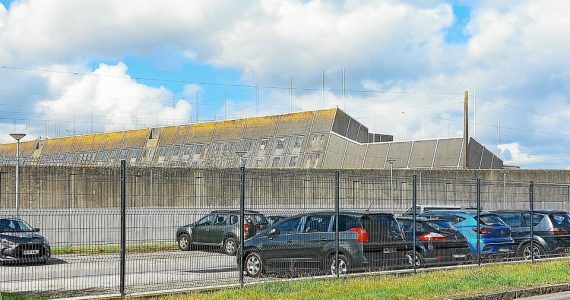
column 274, row 219
column 437, row 241
column 307, row 242
column 20, row 243
column 220, row 228
column 495, row 235
column 551, row 231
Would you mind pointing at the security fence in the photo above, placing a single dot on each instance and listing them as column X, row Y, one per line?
column 122, row 230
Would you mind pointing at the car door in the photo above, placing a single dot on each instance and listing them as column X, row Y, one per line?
column 282, row 249
column 221, row 226
column 201, row 231
column 313, row 237
column 519, row 232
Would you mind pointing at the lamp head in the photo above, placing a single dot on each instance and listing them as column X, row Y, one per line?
column 17, row 136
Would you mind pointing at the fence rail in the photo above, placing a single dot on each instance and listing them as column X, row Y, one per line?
column 123, row 230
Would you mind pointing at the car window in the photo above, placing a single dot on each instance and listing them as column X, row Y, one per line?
column 7, row 225
column 256, row 219
column 289, row 226
column 221, row 220
column 512, row 219
column 536, row 218
column 561, row 219
column 347, row 222
column 207, row 220
column 491, row 220
column 449, row 218
column 441, row 225
column 318, row 223
column 233, row 219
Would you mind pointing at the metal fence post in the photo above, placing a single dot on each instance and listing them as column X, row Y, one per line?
column 479, row 221
column 337, row 216
column 242, row 218
column 123, row 227
column 414, row 215
column 531, row 200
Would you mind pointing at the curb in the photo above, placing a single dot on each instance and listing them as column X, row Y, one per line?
column 522, row 293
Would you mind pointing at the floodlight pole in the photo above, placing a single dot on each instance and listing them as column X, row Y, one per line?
column 18, row 137
column 391, row 162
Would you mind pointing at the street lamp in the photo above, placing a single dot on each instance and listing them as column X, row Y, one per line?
column 18, row 137
column 391, row 162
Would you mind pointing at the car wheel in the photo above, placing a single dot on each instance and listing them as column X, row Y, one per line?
column 537, row 249
column 184, row 242
column 343, row 265
column 253, row 264
column 419, row 259
column 230, row 246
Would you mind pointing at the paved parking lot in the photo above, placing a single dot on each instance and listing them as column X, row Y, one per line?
column 149, row 271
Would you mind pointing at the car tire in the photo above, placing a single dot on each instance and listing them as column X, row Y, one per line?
column 419, row 259
column 230, row 245
column 343, row 264
column 525, row 251
column 253, row 264
column 184, row 242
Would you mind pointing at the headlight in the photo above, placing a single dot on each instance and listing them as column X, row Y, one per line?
column 7, row 243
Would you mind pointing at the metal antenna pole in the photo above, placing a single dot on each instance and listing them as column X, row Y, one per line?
column 323, row 89
column 291, row 93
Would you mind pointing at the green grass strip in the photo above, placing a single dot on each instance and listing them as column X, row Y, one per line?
column 112, row 249
column 424, row 285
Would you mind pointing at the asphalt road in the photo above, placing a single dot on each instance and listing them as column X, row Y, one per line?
column 557, row 296
column 100, row 273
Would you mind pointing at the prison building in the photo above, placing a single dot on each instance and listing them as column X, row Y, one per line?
column 321, row 139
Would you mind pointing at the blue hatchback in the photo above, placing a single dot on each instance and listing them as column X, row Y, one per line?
column 495, row 235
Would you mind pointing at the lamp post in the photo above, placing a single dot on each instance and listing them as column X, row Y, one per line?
column 240, row 154
column 391, row 162
column 18, row 137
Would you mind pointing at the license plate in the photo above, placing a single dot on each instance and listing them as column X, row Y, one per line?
column 31, row 252
column 459, row 255
column 389, row 250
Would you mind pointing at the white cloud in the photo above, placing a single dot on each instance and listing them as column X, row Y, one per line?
column 113, row 98
column 513, row 153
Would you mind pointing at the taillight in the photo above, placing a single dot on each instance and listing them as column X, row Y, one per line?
column 246, row 227
column 482, row 230
column 431, row 236
column 557, row 231
column 361, row 234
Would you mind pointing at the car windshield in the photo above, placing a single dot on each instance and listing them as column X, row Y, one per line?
column 491, row 220
column 441, row 225
column 7, row 225
column 561, row 219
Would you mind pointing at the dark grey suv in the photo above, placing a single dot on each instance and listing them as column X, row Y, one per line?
column 19, row 242
column 220, row 228
column 307, row 242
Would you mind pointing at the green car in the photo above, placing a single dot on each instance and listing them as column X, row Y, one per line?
column 220, row 228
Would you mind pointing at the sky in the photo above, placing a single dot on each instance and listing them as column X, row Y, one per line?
column 74, row 67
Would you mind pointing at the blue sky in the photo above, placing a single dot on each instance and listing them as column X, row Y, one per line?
column 72, row 67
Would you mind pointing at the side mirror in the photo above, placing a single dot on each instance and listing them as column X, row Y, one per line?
column 272, row 233
column 36, row 229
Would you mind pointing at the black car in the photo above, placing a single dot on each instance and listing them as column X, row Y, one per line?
column 274, row 219
column 307, row 242
column 551, row 231
column 220, row 228
column 437, row 241
column 20, row 243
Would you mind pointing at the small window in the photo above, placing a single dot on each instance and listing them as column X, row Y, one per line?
column 101, row 155
column 247, row 145
column 322, row 137
column 293, row 161
column 221, row 220
column 112, row 154
column 233, row 219
column 263, row 144
column 298, row 142
column 280, row 143
column 124, row 153
column 258, row 162
column 176, row 150
column 317, row 156
column 187, row 150
column 194, row 164
column 149, row 152
column 536, row 219
column 275, row 162
column 198, row 149
column 163, row 151
column 314, row 138
column 135, row 153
